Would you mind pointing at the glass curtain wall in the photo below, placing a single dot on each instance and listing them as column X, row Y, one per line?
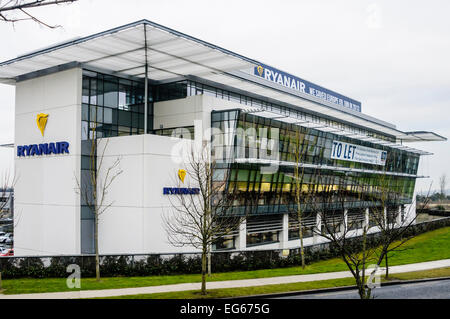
column 259, row 193
column 113, row 106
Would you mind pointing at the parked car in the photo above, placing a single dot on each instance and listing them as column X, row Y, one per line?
column 9, row 240
column 8, row 252
column 2, row 233
column 5, row 237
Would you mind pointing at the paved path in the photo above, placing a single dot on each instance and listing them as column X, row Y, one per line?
column 424, row 290
column 220, row 284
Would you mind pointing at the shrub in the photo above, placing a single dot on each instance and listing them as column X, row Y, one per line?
column 156, row 264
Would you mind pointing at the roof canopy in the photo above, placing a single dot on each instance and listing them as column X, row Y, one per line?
column 170, row 54
column 125, row 50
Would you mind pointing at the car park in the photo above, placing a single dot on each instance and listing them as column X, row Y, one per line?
column 7, row 252
column 5, row 237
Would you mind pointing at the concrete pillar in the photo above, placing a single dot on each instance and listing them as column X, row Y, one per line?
column 399, row 216
column 284, row 235
column 366, row 219
column 345, row 226
column 241, row 243
column 318, row 228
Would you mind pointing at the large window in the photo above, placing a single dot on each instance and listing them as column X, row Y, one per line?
column 112, row 106
column 263, row 229
column 224, row 242
column 259, row 193
column 308, row 225
column 356, row 218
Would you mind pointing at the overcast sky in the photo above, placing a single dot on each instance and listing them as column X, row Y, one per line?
column 392, row 56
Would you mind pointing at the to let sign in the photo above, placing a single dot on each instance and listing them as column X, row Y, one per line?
column 358, row 153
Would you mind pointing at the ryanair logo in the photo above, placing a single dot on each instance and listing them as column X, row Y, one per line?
column 260, row 70
column 181, row 174
column 44, row 148
column 181, row 190
column 41, row 120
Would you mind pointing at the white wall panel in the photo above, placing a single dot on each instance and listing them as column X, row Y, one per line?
column 134, row 222
column 47, row 207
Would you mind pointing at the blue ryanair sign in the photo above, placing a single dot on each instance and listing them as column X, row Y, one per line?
column 43, row 149
column 300, row 85
column 180, row 191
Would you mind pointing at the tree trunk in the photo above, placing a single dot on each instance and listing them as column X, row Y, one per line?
column 204, row 272
column 209, row 262
column 97, row 257
column 387, row 267
column 361, row 289
column 300, row 230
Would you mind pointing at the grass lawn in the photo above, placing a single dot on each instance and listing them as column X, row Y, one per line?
column 269, row 289
column 429, row 246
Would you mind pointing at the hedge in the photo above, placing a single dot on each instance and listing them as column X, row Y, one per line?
column 159, row 264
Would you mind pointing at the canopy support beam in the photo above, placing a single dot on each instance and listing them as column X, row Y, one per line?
column 146, row 84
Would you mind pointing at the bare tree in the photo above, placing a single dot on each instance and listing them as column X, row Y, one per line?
column 94, row 191
column 392, row 220
column 358, row 251
column 300, row 150
column 202, row 215
column 329, row 203
column 20, row 10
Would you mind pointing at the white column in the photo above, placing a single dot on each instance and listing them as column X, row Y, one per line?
column 345, row 220
column 385, row 216
column 366, row 219
column 284, row 236
column 242, row 237
column 399, row 216
column 318, row 228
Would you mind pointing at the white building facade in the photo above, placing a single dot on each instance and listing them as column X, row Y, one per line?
column 145, row 93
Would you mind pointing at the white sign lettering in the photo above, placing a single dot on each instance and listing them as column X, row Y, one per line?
column 358, row 153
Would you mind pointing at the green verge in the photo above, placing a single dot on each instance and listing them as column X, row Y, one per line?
column 271, row 289
column 425, row 247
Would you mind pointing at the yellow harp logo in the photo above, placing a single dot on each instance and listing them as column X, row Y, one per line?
column 41, row 120
column 181, row 174
column 260, row 70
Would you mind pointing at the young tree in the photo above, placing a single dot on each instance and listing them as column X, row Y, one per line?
column 199, row 219
column 19, row 10
column 358, row 252
column 392, row 220
column 94, row 190
column 329, row 203
column 301, row 147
